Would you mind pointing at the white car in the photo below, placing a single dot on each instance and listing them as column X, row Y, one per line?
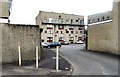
column 45, row 45
column 79, row 42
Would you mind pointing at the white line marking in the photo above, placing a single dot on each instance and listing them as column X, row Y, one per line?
column 103, row 70
column 55, row 57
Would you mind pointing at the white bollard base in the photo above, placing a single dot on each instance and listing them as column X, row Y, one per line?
column 56, row 71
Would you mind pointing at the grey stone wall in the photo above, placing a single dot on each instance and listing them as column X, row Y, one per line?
column 14, row 35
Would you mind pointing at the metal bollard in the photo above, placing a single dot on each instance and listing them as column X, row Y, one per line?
column 57, row 59
column 19, row 52
column 36, row 57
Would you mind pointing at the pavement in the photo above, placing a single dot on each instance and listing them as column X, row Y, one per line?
column 46, row 67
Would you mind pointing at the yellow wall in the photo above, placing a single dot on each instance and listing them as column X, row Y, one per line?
column 4, row 8
column 103, row 37
column 100, row 38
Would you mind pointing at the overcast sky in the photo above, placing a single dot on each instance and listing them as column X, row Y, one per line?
column 25, row 11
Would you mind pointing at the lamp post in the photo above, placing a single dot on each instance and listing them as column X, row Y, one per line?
column 86, row 37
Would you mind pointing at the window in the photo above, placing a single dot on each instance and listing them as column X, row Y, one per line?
column 89, row 21
column 45, row 31
column 61, row 38
column 51, row 32
column 61, row 32
column 93, row 21
column 71, row 21
column 98, row 19
column 72, row 32
column 67, row 21
column 103, row 18
column 107, row 18
column 62, row 21
column 79, row 38
column 81, row 21
column 80, row 28
column 57, row 32
column 76, row 32
column 59, row 16
column 45, row 19
column 56, row 20
column 49, row 27
column 49, row 39
column 61, row 27
column 67, row 31
column 71, row 28
column 76, row 20
column 42, row 40
column 71, row 38
column 50, row 20
column 81, row 32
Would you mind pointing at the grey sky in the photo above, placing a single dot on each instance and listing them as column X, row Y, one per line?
column 25, row 11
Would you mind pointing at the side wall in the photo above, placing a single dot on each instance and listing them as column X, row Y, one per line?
column 119, row 29
column 100, row 38
column 0, row 43
column 4, row 7
column 26, row 36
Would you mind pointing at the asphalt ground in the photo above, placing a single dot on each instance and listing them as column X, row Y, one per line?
column 47, row 66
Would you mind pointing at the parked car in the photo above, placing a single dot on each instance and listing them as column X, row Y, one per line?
column 79, row 42
column 44, row 45
column 65, row 43
column 54, row 44
column 51, row 44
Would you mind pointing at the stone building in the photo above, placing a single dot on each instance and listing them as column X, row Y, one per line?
column 103, row 30
column 5, row 7
column 60, row 26
column 100, row 17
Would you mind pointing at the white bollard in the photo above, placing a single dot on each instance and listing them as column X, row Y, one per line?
column 57, row 59
column 36, row 57
column 19, row 52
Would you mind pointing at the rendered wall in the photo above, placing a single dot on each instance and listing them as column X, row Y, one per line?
column 119, row 29
column 0, row 43
column 4, row 8
column 104, row 37
column 14, row 35
column 100, row 38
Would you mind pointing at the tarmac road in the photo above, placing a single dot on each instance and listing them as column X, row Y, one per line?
column 88, row 62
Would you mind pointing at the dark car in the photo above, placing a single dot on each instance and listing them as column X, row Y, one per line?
column 51, row 44
column 54, row 44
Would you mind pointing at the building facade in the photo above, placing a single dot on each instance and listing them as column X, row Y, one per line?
column 103, row 30
column 5, row 7
column 60, row 26
column 100, row 17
